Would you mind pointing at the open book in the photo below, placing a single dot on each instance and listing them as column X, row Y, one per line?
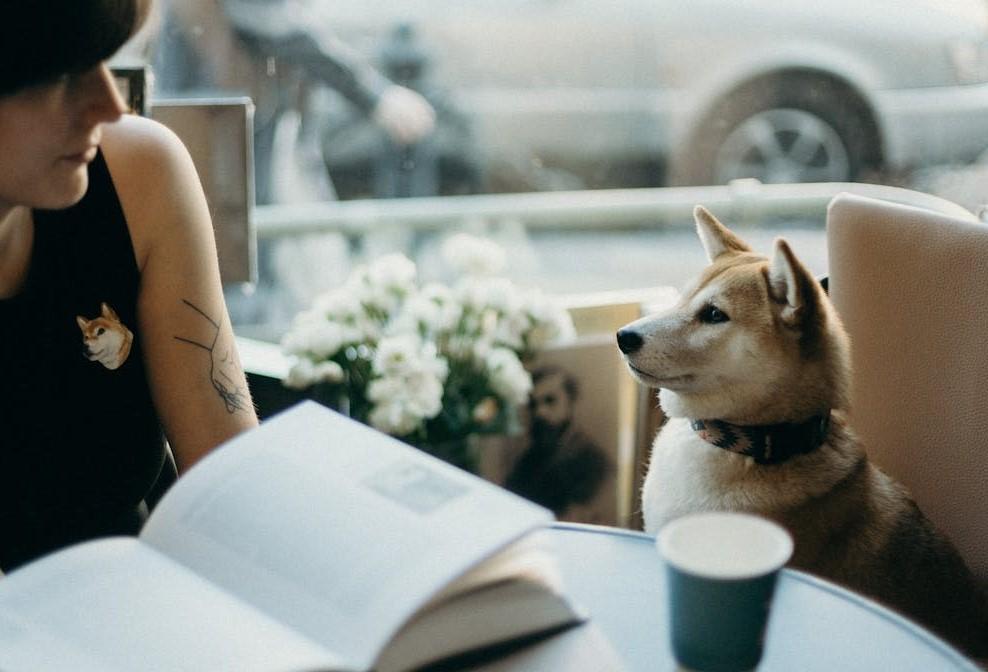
column 310, row 543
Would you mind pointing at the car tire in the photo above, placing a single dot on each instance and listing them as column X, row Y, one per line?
column 794, row 128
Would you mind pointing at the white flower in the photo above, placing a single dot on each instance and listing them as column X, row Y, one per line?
column 412, row 337
column 304, row 373
column 470, row 255
column 552, row 323
column 421, row 393
column 388, row 271
column 394, row 418
column 408, row 388
column 450, row 310
column 382, row 285
column 429, row 312
column 407, row 354
column 426, row 394
column 371, row 293
column 498, row 294
column 329, row 372
column 508, row 377
column 397, row 354
column 392, row 271
column 511, row 330
column 479, row 349
column 387, row 390
column 301, row 375
column 325, row 339
column 402, row 403
column 314, row 336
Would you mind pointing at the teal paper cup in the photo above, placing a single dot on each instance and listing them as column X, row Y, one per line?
column 721, row 571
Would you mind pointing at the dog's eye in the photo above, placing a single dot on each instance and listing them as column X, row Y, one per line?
column 710, row 314
column 99, row 332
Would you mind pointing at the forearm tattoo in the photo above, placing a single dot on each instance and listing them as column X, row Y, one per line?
column 225, row 371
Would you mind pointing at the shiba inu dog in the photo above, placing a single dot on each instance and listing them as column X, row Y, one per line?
column 105, row 339
column 753, row 369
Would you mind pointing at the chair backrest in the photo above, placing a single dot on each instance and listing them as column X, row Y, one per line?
column 911, row 286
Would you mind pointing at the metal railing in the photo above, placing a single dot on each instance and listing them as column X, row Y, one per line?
column 744, row 201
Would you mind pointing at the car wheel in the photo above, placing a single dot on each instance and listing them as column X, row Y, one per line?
column 786, row 129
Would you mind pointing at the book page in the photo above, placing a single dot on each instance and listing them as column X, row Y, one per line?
column 116, row 605
column 524, row 560
column 333, row 528
column 481, row 622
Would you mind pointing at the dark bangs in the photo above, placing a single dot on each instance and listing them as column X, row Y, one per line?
column 42, row 39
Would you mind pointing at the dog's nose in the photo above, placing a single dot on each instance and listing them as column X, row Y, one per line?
column 629, row 340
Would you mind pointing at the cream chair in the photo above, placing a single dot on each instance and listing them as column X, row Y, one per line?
column 912, row 288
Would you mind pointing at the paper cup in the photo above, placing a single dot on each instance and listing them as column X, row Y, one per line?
column 721, row 571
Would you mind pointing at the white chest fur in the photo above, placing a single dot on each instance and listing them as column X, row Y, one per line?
column 686, row 474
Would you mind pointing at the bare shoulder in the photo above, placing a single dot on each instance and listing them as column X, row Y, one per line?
column 133, row 140
column 155, row 180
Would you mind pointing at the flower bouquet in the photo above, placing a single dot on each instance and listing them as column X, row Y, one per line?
column 431, row 364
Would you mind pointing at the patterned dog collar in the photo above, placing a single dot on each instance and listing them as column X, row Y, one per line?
column 766, row 444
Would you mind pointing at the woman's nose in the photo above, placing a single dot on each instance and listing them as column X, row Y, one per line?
column 103, row 99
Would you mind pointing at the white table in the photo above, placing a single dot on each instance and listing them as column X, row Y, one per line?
column 815, row 625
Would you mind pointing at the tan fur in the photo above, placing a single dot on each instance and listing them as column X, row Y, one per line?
column 105, row 338
column 782, row 355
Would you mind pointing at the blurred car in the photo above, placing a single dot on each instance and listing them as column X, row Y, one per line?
column 702, row 92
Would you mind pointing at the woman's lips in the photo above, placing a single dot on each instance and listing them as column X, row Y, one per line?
column 85, row 156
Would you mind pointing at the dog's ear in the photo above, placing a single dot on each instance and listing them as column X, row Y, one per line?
column 791, row 284
column 107, row 312
column 82, row 322
column 716, row 238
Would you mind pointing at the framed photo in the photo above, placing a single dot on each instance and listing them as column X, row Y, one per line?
column 578, row 450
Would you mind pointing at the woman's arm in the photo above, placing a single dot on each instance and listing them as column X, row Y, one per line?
column 197, row 382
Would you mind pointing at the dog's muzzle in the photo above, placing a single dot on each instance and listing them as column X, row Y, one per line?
column 629, row 341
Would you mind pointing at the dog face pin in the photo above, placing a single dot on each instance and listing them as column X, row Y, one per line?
column 105, row 339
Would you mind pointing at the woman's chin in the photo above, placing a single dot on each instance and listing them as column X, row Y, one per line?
column 67, row 194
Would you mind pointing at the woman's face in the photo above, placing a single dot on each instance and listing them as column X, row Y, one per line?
column 48, row 135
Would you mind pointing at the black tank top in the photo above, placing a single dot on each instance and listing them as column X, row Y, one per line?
column 80, row 443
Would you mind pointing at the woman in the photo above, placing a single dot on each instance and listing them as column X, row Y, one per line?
column 115, row 333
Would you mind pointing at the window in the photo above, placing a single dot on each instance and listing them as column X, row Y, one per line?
column 561, row 126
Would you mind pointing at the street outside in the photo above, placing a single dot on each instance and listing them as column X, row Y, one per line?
column 555, row 261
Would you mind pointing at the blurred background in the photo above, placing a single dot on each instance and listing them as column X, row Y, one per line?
column 576, row 133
